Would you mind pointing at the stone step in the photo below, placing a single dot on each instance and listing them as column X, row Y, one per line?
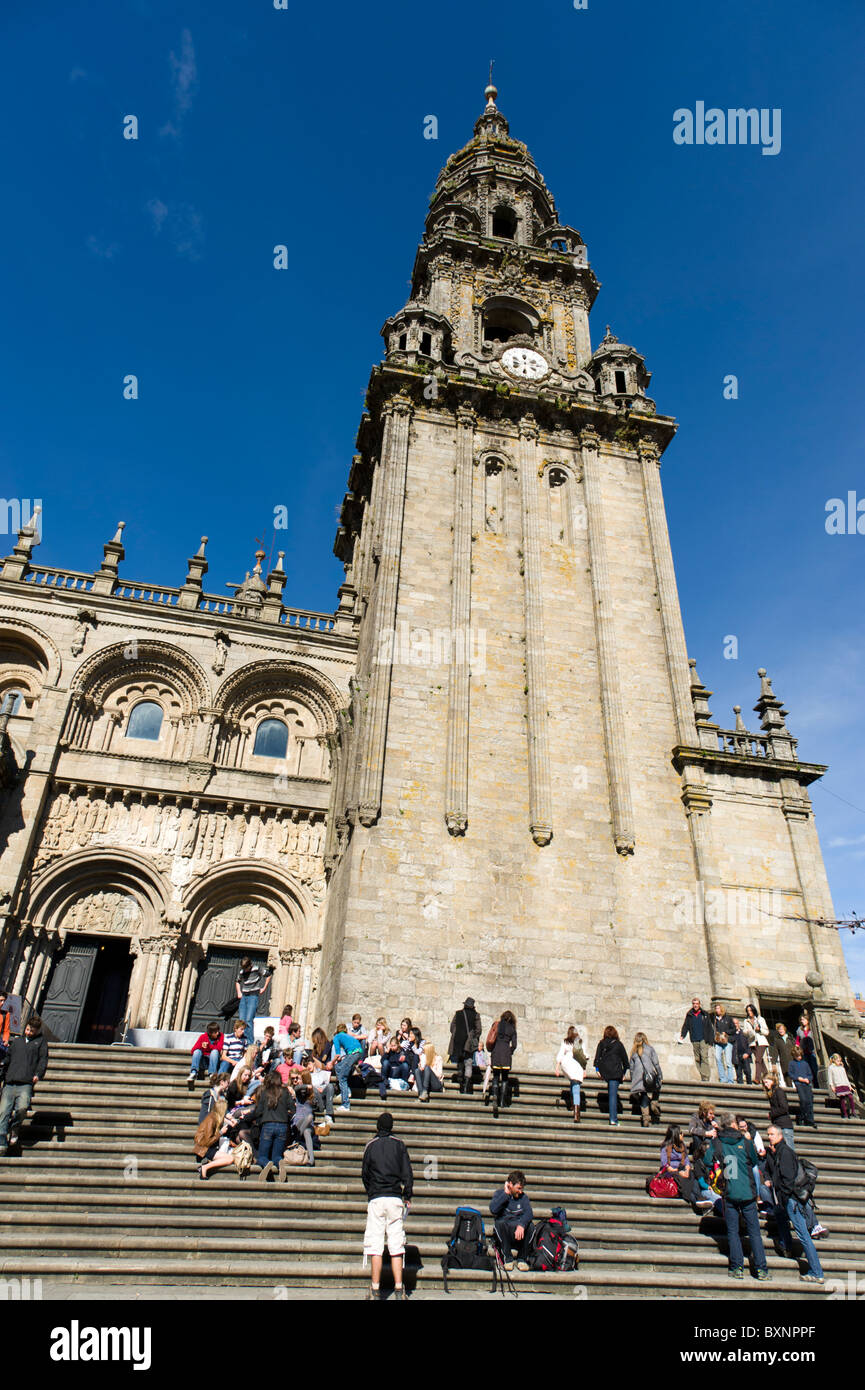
column 600, row 1283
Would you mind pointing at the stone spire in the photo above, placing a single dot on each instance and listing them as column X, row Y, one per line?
column 271, row 608
column 113, row 552
column 769, row 707
column 196, row 568
column 707, row 729
column 740, row 723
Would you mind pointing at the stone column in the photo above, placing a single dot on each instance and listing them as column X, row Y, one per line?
column 304, row 998
column 149, row 948
column 44, row 951
column 457, row 760
column 171, row 987
column 668, row 594
column 540, row 795
column 26, row 948
column 157, row 1000
column 612, row 708
column 395, row 444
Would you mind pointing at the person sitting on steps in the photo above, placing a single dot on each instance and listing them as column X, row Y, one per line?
column 208, row 1048
column 512, row 1212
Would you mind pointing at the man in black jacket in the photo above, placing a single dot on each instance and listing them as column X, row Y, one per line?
column 388, row 1181
column 27, row 1060
column 698, row 1027
column 782, row 1168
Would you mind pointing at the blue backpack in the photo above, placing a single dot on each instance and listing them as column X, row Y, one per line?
column 467, row 1246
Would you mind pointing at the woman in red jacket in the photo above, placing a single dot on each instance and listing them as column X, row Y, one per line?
column 208, row 1047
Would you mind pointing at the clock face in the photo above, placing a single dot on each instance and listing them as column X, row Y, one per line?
column 525, row 363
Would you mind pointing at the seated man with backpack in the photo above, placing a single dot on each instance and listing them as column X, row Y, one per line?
column 512, row 1211
column 792, row 1184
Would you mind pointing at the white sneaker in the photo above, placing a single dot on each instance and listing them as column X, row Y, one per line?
column 819, row 1230
column 342, row 1110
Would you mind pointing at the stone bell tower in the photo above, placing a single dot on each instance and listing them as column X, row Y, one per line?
column 523, row 809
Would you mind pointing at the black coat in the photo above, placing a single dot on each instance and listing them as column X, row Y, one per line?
column 724, row 1024
column 504, row 1046
column 465, row 1034
column 741, row 1045
column 779, row 1110
column 611, row 1059
column 26, row 1058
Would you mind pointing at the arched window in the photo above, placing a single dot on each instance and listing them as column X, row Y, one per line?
column 505, row 222
column 504, row 318
column 145, row 721
column 271, row 739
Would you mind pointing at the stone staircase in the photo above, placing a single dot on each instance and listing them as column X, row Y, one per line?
column 106, row 1190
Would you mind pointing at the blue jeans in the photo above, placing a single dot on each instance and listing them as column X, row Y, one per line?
column 724, row 1062
column 793, row 1211
column 13, row 1107
column 342, row 1071
column 805, row 1092
column 613, row 1096
column 247, row 1008
column 212, row 1061
column 398, row 1070
column 575, row 1092
column 271, row 1143
column 732, row 1212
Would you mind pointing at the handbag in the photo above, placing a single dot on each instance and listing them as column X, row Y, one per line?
column 492, row 1035
column 229, row 1007
column 296, row 1154
column 662, row 1185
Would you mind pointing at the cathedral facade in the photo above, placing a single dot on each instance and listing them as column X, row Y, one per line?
column 493, row 771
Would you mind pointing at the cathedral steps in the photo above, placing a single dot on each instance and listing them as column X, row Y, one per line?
column 70, row 1213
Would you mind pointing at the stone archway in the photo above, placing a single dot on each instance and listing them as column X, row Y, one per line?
column 252, row 907
column 87, row 896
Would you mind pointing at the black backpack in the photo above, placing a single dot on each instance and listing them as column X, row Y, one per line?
column 467, row 1246
column 548, row 1245
column 806, row 1180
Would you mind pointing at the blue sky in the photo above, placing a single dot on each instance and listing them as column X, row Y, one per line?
column 305, row 127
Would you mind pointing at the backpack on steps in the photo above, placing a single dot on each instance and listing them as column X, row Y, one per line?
column 467, row 1246
column 243, row 1158
column 547, row 1249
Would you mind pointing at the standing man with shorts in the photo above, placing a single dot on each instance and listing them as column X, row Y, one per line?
column 388, row 1180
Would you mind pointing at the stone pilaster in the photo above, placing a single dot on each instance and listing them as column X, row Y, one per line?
column 540, row 795
column 457, row 758
column 612, row 708
column 726, row 988
column 668, row 598
column 816, row 898
column 395, row 463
